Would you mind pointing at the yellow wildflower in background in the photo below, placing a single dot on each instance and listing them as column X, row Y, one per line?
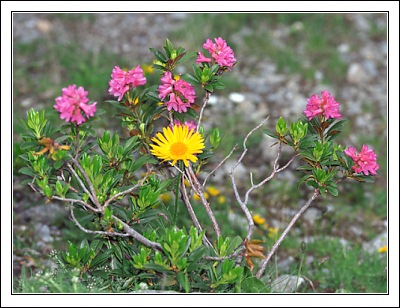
column 147, row 69
column 221, row 199
column 187, row 184
column 213, row 191
column 259, row 221
column 165, row 197
column 177, row 144
column 273, row 232
column 196, row 197
column 383, row 249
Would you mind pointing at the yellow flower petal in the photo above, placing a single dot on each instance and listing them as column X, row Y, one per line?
column 177, row 144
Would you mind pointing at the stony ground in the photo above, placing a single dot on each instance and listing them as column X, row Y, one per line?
column 265, row 90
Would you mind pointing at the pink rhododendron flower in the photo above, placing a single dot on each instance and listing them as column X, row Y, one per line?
column 122, row 80
column 71, row 104
column 220, row 52
column 365, row 161
column 190, row 124
column 325, row 105
column 202, row 58
column 181, row 93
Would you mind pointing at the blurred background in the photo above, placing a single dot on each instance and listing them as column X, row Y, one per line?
column 283, row 58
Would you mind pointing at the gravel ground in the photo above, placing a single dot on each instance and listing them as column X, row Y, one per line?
column 264, row 92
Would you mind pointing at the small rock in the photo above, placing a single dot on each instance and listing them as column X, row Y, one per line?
column 376, row 243
column 237, row 97
column 44, row 233
column 240, row 171
column 285, row 263
column 309, row 239
column 286, row 284
column 312, row 215
column 357, row 74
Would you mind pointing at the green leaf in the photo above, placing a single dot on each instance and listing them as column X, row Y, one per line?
column 312, row 183
column 130, row 144
column 107, row 213
column 159, row 67
column 281, row 127
column 168, row 47
column 253, row 285
column 183, row 281
column 190, row 78
column 28, row 145
column 159, row 55
column 186, row 57
column 332, row 190
column 197, row 71
column 26, row 171
column 117, row 252
column 234, row 243
column 195, row 257
column 209, row 88
column 142, row 160
column 155, row 267
column 270, row 133
column 101, row 259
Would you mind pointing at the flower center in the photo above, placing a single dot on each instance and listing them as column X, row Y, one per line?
column 178, row 148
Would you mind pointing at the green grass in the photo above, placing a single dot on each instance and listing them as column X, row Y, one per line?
column 346, row 269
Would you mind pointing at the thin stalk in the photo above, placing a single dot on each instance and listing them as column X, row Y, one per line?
column 178, row 183
column 282, row 237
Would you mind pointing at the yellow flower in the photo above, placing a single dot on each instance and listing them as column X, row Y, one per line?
column 177, row 144
column 196, row 197
column 221, row 199
column 187, row 184
column 382, row 249
column 213, row 191
column 258, row 220
column 273, row 232
column 165, row 197
column 147, row 69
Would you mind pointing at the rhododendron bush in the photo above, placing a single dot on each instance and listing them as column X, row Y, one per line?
column 114, row 187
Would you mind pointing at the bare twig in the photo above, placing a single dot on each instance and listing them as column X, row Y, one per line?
column 200, row 191
column 91, row 231
column 232, row 255
column 285, row 232
column 243, row 204
column 206, row 98
column 89, row 182
column 85, row 204
column 192, row 214
column 219, row 165
column 245, row 141
column 79, row 180
column 137, row 236
column 275, row 170
column 127, row 191
column 171, row 119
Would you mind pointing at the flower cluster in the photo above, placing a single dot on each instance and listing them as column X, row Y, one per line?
column 122, row 80
column 325, row 106
column 181, row 93
column 72, row 103
column 365, row 161
column 220, row 52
